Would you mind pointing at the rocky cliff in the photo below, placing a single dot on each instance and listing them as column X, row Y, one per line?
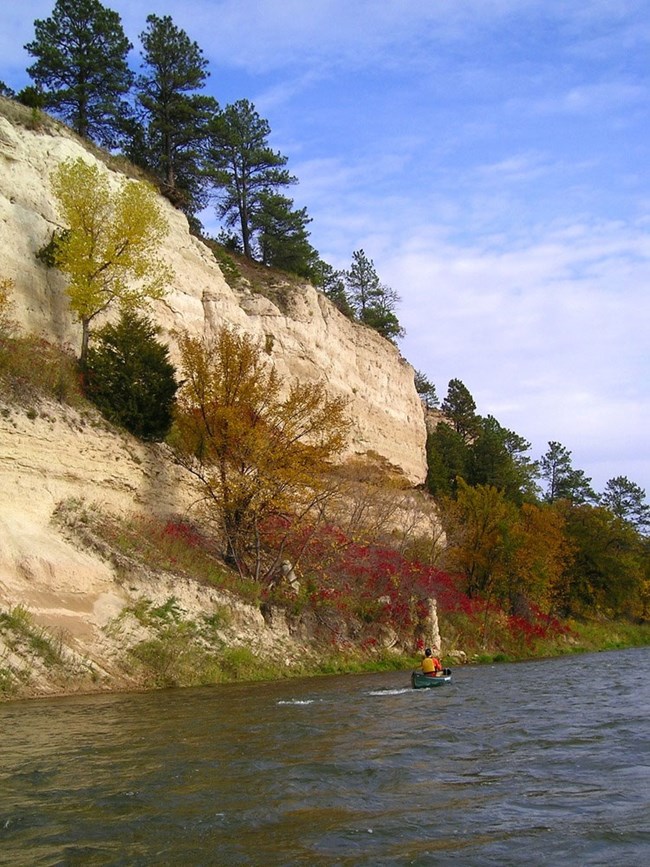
column 54, row 454
column 310, row 339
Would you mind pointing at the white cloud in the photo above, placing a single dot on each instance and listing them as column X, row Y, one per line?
column 550, row 337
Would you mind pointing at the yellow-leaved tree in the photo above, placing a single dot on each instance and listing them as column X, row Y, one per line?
column 256, row 449
column 110, row 246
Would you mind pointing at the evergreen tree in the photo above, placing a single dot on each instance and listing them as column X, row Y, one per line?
column 243, row 167
column 625, row 499
column 460, row 409
column 130, row 378
column 498, row 458
column 426, row 389
column 332, row 284
column 447, row 460
column 563, row 482
column 81, row 67
column 373, row 303
column 172, row 141
column 381, row 315
column 362, row 283
column 282, row 235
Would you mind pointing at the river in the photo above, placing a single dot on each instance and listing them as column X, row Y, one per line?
column 539, row 763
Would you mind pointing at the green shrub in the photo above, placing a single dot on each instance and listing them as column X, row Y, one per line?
column 130, row 378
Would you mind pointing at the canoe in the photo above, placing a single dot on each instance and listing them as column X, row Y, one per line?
column 426, row 681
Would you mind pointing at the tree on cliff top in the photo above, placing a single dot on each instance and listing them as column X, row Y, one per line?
column 255, row 453
column 373, row 303
column 173, row 141
column 243, row 166
column 109, row 248
column 282, row 236
column 81, row 65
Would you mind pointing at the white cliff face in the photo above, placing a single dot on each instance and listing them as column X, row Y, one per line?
column 311, row 340
column 53, row 453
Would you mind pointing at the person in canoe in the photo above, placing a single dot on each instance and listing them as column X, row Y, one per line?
column 430, row 664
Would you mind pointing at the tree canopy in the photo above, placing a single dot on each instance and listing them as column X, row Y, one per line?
column 81, row 67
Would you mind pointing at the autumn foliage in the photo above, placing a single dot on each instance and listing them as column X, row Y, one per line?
column 255, row 450
column 109, row 246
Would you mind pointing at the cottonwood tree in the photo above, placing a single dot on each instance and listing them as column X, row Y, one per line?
column 257, row 450
column 609, row 569
column 480, row 526
column 81, row 68
column 109, row 248
column 243, row 167
column 541, row 559
column 172, row 141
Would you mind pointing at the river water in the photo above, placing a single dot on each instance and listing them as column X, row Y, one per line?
column 541, row 763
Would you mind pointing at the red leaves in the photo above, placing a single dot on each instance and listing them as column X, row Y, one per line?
column 375, row 584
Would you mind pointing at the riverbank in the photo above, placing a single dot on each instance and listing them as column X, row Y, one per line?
column 242, row 666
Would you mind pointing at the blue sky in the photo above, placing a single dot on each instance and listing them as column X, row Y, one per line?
column 491, row 157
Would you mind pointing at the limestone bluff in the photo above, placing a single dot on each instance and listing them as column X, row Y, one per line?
column 55, row 455
column 310, row 339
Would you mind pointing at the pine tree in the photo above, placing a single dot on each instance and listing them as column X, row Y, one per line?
column 447, row 460
column 426, row 389
column 563, row 482
column 243, row 167
column 373, row 303
column 460, row 408
column 282, row 236
column 172, row 141
column 626, row 500
column 332, row 284
column 498, row 457
column 81, row 67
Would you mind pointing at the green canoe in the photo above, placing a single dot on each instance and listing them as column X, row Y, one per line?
column 426, row 681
